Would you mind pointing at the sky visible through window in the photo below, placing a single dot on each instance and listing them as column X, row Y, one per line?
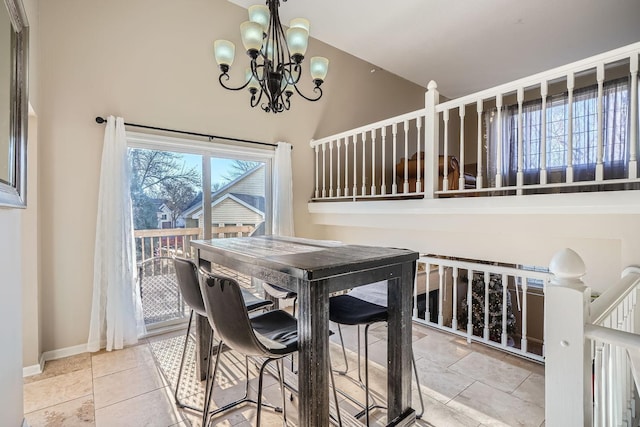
column 219, row 167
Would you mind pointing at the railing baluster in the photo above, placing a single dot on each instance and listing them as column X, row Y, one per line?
column 524, row 340
column 317, row 193
column 383, row 186
column 364, row 163
column 405, row 187
column 394, row 133
column 570, row 87
column 544, row 90
column 338, row 166
column 461, row 112
column 330, row 168
column 427, row 311
column 373, row 162
column 520, row 172
column 440, row 293
column 503, row 337
column 469, row 305
column 418, row 169
column 487, row 277
column 479, row 108
column 324, row 171
column 355, row 165
column 633, row 117
column 445, row 160
column 599, row 152
column 454, row 320
column 598, row 386
column 499, row 142
column 346, row 166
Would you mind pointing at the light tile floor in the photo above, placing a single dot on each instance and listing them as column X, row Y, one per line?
column 463, row 385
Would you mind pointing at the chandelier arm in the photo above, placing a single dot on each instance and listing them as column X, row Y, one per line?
column 315, row 89
column 255, row 101
column 229, row 87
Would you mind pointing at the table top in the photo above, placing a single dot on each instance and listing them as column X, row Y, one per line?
column 305, row 258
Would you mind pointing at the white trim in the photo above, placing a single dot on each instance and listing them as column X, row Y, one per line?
column 36, row 369
column 603, row 202
column 192, row 146
column 25, row 423
column 66, row 352
column 54, row 355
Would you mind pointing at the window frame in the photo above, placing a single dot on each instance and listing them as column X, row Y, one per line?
column 209, row 150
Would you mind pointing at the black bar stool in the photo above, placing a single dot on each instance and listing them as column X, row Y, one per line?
column 351, row 310
column 187, row 278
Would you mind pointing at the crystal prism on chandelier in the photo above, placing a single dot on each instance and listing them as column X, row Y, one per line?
column 276, row 59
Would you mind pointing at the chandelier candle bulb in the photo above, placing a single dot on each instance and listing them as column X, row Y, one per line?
column 297, row 40
column 259, row 14
column 251, row 37
column 300, row 23
column 224, row 51
column 319, row 68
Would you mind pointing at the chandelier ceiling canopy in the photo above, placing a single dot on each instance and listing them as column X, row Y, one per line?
column 276, row 58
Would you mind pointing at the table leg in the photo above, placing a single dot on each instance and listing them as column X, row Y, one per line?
column 313, row 333
column 399, row 348
column 203, row 339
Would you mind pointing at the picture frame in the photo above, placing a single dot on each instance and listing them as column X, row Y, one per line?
column 14, row 117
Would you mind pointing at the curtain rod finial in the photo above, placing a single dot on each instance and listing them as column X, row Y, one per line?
column 100, row 120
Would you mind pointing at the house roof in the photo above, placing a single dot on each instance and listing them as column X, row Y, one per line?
column 253, row 201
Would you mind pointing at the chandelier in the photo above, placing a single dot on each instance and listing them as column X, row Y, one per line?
column 276, row 59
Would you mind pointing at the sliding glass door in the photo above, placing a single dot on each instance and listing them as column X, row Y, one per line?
column 188, row 191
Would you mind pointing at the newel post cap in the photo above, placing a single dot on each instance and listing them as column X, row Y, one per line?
column 432, row 85
column 567, row 268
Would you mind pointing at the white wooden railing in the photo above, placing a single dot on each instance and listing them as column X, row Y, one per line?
column 592, row 348
column 364, row 163
column 447, row 290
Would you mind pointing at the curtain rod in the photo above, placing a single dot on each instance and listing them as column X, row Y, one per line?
column 101, row 120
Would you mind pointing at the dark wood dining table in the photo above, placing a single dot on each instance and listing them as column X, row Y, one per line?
column 315, row 269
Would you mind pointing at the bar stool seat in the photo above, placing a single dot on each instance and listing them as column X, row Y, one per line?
column 353, row 310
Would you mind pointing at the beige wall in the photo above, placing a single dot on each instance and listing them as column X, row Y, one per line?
column 607, row 243
column 151, row 62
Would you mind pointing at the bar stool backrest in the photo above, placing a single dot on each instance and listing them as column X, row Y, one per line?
column 187, row 275
column 228, row 315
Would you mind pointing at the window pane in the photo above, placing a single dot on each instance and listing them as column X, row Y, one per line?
column 164, row 185
column 238, row 198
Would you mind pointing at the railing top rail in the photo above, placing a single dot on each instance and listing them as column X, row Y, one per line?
column 165, row 232
column 498, row 269
column 616, row 337
column 604, row 305
column 549, row 75
column 382, row 123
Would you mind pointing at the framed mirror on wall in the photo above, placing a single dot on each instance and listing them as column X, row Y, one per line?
column 14, row 52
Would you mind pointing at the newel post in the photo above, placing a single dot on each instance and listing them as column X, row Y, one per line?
column 567, row 355
column 431, row 128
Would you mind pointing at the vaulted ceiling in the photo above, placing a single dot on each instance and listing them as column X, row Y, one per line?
column 468, row 45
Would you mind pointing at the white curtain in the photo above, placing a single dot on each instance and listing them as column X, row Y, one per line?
column 116, row 318
column 616, row 142
column 283, row 191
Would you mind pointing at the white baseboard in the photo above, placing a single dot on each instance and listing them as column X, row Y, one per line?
column 27, row 371
column 64, row 352
column 25, row 423
column 53, row 355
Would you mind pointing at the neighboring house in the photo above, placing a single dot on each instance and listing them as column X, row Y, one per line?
column 240, row 202
column 165, row 218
